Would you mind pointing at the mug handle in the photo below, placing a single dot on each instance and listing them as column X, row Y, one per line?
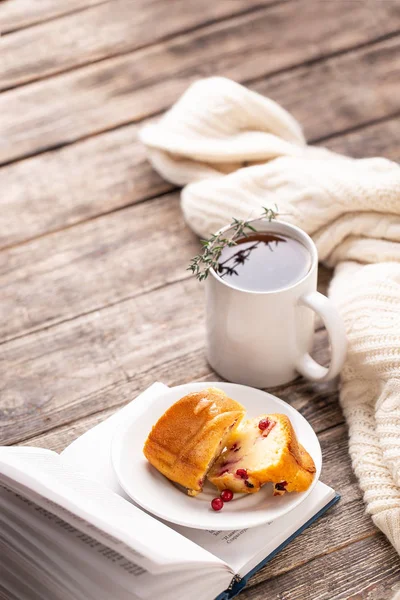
column 333, row 322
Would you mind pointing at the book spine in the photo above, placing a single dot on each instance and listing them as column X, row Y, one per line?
column 238, row 583
column 231, row 590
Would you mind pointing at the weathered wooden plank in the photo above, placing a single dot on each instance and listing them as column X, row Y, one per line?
column 98, row 262
column 117, row 256
column 100, row 360
column 16, row 14
column 103, row 359
column 108, row 171
column 67, row 186
column 97, row 175
column 377, row 140
column 29, row 273
column 342, row 92
column 105, row 30
column 365, row 570
column 114, row 92
column 316, row 402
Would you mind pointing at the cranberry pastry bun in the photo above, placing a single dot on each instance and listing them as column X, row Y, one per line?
column 190, row 435
column 263, row 450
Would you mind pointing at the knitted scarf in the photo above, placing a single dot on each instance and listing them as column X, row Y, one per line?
column 236, row 151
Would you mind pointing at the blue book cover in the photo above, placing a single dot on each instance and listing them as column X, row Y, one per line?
column 239, row 583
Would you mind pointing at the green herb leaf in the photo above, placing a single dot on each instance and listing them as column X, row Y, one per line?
column 208, row 259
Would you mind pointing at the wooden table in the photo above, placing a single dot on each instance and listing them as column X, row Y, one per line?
column 95, row 300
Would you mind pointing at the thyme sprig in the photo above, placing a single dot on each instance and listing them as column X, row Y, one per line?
column 208, row 259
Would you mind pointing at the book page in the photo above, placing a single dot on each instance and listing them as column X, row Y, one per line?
column 72, row 559
column 41, row 476
column 19, row 582
column 244, row 549
column 75, row 566
column 91, row 452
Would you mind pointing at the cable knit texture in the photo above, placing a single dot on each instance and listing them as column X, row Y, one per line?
column 237, row 151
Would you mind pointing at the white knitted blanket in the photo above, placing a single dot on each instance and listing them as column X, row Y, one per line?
column 238, row 151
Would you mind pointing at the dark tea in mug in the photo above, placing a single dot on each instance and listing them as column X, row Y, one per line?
column 264, row 262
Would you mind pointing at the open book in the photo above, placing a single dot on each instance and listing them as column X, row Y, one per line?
column 69, row 532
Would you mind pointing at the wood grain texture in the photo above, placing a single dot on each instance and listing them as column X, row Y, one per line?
column 128, row 88
column 117, row 256
column 111, row 252
column 79, row 368
column 105, row 30
column 100, row 262
column 343, row 92
column 109, row 171
column 380, row 139
column 103, row 359
column 64, row 187
column 316, row 402
column 370, row 563
column 17, row 14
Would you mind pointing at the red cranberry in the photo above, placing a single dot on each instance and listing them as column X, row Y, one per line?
column 217, row 504
column 242, row 473
column 234, row 447
column 226, row 495
column 281, row 486
column 263, row 424
column 269, row 428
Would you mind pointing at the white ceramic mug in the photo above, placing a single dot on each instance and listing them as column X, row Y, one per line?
column 263, row 339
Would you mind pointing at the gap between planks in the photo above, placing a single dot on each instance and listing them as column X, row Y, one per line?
column 109, row 411
column 88, row 308
column 89, row 219
column 206, row 24
column 47, row 320
column 376, row 566
column 246, row 82
column 310, row 49
column 355, row 129
column 23, row 27
column 85, row 377
column 301, row 564
column 97, row 309
column 53, row 11
column 157, row 42
column 172, row 188
column 346, row 112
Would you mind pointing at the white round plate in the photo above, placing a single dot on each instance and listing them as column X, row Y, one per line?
column 164, row 499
